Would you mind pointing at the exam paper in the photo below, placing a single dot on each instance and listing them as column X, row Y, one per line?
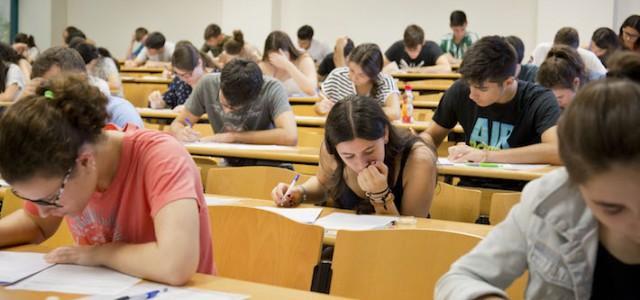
column 75, row 279
column 18, row 265
column 343, row 221
column 300, row 215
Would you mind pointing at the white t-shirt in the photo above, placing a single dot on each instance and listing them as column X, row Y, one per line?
column 594, row 67
column 317, row 50
column 15, row 76
column 165, row 56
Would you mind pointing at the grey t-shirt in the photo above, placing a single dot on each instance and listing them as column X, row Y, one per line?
column 259, row 114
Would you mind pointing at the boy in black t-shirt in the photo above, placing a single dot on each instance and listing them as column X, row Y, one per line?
column 505, row 120
column 415, row 55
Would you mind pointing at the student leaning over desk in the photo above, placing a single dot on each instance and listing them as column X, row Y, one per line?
column 576, row 230
column 132, row 199
column 368, row 165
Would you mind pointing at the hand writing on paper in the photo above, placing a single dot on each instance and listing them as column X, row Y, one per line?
column 156, row 101
column 187, row 134
column 79, row 255
column 463, row 153
column 279, row 59
column 225, row 137
column 373, row 179
column 292, row 200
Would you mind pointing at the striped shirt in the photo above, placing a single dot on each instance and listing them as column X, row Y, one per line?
column 338, row 85
column 457, row 50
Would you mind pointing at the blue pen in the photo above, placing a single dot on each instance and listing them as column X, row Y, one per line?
column 147, row 295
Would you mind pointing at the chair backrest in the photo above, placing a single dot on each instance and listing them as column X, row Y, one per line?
column 421, row 114
column 428, row 97
column 394, row 264
column 205, row 163
column 304, row 110
column 455, row 203
column 204, row 129
column 261, row 246
column 310, row 137
column 501, row 204
column 250, row 182
column 10, row 203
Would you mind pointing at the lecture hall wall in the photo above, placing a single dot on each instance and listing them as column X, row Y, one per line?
column 111, row 22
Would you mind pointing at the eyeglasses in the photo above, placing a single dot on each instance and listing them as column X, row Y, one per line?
column 53, row 199
column 185, row 75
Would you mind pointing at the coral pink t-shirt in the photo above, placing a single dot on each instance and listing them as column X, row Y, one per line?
column 154, row 170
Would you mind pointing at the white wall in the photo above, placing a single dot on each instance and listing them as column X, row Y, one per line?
column 112, row 22
column 585, row 16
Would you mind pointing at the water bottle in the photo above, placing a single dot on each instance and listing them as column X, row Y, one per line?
column 407, row 105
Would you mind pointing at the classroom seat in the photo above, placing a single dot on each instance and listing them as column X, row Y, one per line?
column 310, row 137
column 138, row 93
column 501, row 204
column 394, row 264
column 455, row 203
column 250, row 182
column 304, row 110
column 261, row 246
column 205, row 163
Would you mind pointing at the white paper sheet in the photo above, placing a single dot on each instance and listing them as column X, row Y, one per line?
column 3, row 183
column 342, row 221
column 220, row 201
column 17, row 265
column 443, row 161
column 147, row 109
column 74, row 279
column 300, row 215
column 169, row 292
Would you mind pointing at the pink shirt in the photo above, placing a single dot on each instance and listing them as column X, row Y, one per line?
column 154, row 170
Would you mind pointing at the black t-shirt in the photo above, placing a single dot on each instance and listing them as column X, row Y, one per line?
column 528, row 72
column 518, row 123
column 427, row 57
column 613, row 279
column 327, row 65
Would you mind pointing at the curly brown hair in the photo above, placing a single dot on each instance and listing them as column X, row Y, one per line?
column 42, row 133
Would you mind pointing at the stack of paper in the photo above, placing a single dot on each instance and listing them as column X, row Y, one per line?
column 343, row 221
column 301, row 215
column 513, row 167
column 74, row 279
column 15, row 266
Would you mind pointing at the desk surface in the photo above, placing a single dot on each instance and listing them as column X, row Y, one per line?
column 146, row 79
column 418, row 76
column 200, row 281
column 303, row 155
column 525, row 175
column 435, row 85
column 421, row 223
column 141, row 69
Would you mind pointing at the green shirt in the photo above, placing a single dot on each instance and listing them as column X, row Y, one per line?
column 457, row 50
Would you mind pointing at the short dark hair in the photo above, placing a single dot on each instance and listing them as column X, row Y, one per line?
column 625, row 64
column 57, row 125
column 413, row 36
column 457, row 18
column 87, row 51
column 212, row 31
column 155, row 40
column 605, row 38
column 489, row 59
column 610, row 108
column 140, row 33
column 67, row 59
column 517, row 45
column 567, row 36
column 562, row 65
column 632, row 21
column 75, row 41
column 240, row 81
column 305, row 32
column 185, row 57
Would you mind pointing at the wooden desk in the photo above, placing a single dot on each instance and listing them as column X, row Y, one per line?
column 137, row 89
column 299, row 155
column 420, row 76
column 527, row 175
column 5, row 103
column 418, row 126
column 421, row 223
column 427, row 85
column 140, row 71
column 199, row 281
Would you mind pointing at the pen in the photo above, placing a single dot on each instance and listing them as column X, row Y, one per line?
column 293, row 183
column 147, row 295
column 186, row 120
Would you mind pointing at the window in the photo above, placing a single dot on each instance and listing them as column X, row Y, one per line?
column 8, row 20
